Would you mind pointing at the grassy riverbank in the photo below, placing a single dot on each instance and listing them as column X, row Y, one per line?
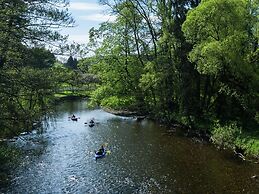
column 244, row 142
column 68, row 94
column 249, row 142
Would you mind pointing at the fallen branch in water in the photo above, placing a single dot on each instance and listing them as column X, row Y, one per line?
column 240, row 155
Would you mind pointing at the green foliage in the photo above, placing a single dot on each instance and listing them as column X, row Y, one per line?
column 101, row 92
column 150, row 79
column 117, row 103
column 27, row 82
column 225, row 135
column 118, row 69
column 209, row 58
column 191, row 62
column 257, row 117
column 219, row 38
column 28, row 23
column 249, row 143
column 39, row 58
column 104, row 96
column 85, row 64
column 9, row 157
column 222, row 47
column 25, row 97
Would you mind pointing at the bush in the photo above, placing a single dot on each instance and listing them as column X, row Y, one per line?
column 249, row 143
column 225, row 135
column 116, row 102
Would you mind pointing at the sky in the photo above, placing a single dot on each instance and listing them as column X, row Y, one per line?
column 87, row 14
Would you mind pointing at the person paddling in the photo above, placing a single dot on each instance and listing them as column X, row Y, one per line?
column 101, row 151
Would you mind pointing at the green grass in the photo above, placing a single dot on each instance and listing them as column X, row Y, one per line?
column 63, row 94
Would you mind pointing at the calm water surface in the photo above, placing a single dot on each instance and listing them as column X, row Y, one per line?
column 143, row 159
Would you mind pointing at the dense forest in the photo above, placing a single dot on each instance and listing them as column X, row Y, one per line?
column 189, row 62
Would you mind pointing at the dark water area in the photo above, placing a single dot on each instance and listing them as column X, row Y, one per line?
column 60, row 159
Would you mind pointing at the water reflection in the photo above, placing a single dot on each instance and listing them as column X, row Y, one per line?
column 142, row 159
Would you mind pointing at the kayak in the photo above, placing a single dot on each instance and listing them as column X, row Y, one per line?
column 98, row 155
column 74, row 119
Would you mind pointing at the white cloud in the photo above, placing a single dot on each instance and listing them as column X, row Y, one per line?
column 85, row 6
column 98, row 17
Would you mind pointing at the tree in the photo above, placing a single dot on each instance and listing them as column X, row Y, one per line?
column 39, row 58
column 149, row 42
column 26, row 83
column 71, row 63
column 221, row 33
column 26, row 22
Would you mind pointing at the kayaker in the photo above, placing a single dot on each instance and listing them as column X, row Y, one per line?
column 102, row 149
column 73, row 116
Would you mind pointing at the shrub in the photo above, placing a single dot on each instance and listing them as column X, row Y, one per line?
column 116, row 102
column 225, row 135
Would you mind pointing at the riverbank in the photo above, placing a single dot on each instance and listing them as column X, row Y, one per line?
column 244, row 145
column 124, row 113
column 70, row 95
column 249, row 143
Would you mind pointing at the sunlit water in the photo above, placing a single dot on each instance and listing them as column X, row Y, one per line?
column 143, row 159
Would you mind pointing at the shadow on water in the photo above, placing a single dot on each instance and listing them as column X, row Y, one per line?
column 60, row 159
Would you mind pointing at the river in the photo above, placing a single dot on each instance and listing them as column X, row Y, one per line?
column 143, row 159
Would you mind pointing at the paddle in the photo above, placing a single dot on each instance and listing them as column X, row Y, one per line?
column 73, row 117
column 108, row 152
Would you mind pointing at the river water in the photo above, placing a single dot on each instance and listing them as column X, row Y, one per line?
column 60, row 159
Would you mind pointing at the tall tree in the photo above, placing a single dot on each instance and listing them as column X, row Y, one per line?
column 161, row 51
column 221, row 33
column 71, row 62
column 26, row 24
